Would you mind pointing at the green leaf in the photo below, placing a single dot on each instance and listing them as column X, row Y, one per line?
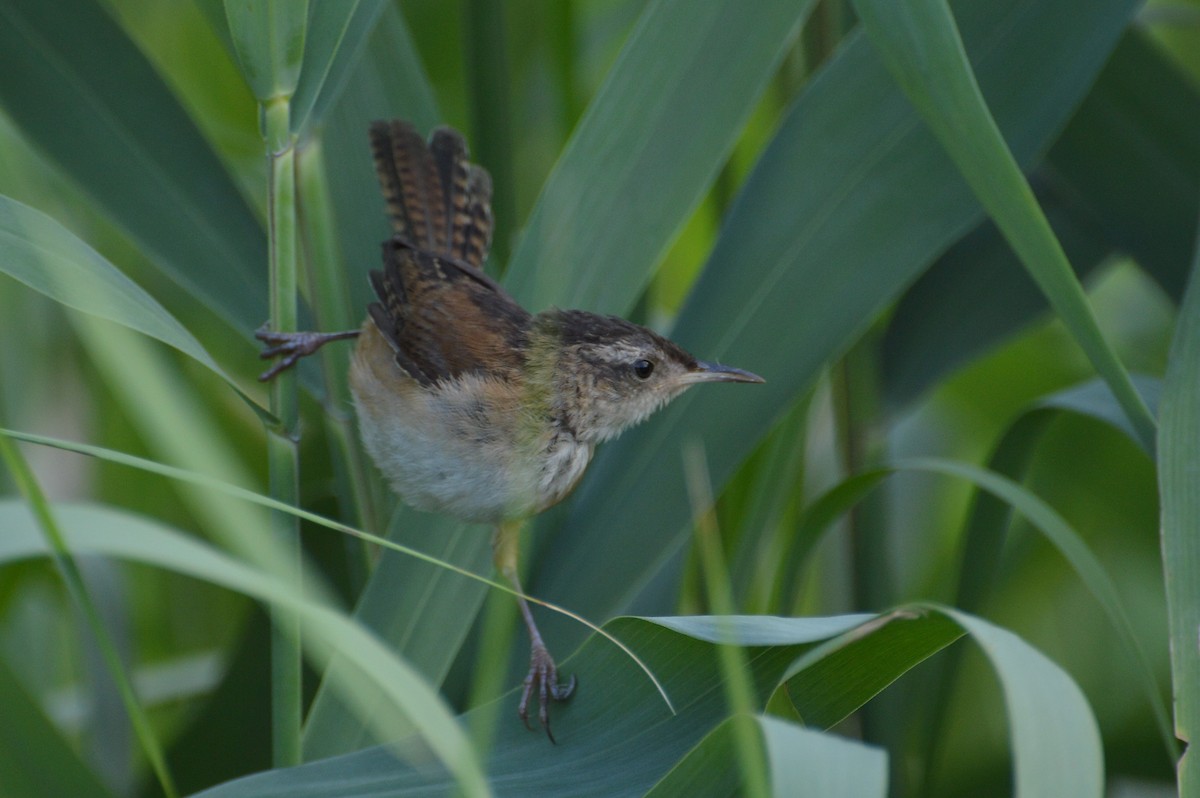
column 1055, row 741
column 337, row 33
column 1124, row 175
column 615, row 716
column 48, row 258
column 268, row 37
column 850, row 202
column 646, row 150
column 920, row 44
column 93, row 529
column 84, row 94
column 1179, row 463
column 801, row 763
column 35, row 759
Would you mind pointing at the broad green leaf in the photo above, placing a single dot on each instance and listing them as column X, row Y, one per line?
column 94, row 529
column 48, row 258
column 1124, row 176
column 1055, row 741
column 336, row 35
column 801, row 763
column 83, row 93
column 838, row 677
column 920, row 44
column 36, row 760
column 268, row 37
column 615, row 718
column 849, row 203
column 646, row 150
column 1179, row 463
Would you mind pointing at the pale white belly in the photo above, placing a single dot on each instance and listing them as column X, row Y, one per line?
column 439, row 457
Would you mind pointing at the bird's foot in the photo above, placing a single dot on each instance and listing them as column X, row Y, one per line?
column 543, row 677
column 290, row 347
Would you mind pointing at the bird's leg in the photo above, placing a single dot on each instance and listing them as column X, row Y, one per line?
column 543, row 673
column 290, row 347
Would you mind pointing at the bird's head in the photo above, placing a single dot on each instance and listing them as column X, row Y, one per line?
column 609, row 373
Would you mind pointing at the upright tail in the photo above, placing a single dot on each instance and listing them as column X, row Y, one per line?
column 438, row 200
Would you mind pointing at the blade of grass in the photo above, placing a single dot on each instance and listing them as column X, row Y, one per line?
column 44, row 255
column 734, row 668
column 920, row 44
column 64, row 561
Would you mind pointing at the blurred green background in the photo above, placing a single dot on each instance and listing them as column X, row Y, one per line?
column 751, row 180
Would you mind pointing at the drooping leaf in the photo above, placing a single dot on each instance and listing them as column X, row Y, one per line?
column 48, row 258
column 616, row 718
column 801, row 763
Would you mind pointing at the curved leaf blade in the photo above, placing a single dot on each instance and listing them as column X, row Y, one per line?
column 48, row 258
column 920, row 43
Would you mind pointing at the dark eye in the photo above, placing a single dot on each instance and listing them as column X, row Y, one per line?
column 643, row 368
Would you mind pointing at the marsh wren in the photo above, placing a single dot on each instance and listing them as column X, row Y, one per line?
column 470, row 405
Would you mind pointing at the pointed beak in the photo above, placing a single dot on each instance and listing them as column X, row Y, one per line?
column 715, row 372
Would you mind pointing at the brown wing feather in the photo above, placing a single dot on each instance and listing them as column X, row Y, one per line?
column 438, row 200
column 443, row 317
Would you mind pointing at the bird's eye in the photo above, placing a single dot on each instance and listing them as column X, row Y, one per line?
column 643, row 368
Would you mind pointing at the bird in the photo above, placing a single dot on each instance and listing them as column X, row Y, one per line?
column 470, row 405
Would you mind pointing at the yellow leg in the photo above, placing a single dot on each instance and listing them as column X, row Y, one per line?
column 543, row 673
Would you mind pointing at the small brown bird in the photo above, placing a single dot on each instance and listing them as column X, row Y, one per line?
column 468, row 404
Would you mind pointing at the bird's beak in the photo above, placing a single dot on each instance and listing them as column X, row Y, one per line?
column 715, row 372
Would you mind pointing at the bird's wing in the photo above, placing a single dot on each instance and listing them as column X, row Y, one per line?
column 439, row 201
column 444, row 317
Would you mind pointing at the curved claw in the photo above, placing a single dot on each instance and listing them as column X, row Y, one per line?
column 290, row 347
column 543, row 674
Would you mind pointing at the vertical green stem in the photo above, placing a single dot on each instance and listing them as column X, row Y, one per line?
column 282, row 454
column 738, row 683
column 67, row 567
